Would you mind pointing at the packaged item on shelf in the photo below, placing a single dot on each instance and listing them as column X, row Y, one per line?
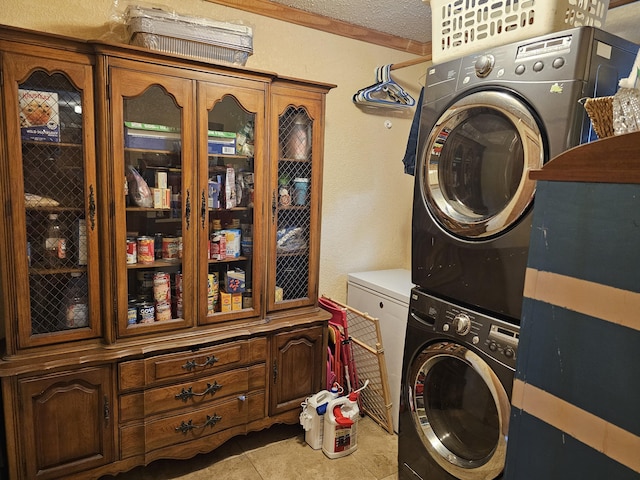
column 244, row 140
column 221, row 142
column 80, row 237
column 161, row 287
column 218, row 246
column 236, row 301
column 171, row 248
column 138, row 189
column 39, row 120
column 279, row 294
column 163, row 311
column 230, row 188
column 212, row 284
column 146, row 312
column 214, row 192
column 55, row 244
column 146, row 250
column 233, row 237
column 149, row 136
column 225, row 302
column 234, row 281
column 76, row 307
column 132, row 251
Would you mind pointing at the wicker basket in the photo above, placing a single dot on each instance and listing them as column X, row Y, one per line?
column 600, row 111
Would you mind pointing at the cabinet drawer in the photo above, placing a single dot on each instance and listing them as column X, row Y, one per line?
column 191, row 394
column 191, row 364
column 136, row 439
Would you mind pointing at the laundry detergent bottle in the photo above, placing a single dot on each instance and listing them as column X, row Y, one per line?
column 340, row 426
column 312, row 416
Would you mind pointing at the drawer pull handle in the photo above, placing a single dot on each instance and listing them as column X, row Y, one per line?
column 185, row 427
column 186, row 394
column 191, row 364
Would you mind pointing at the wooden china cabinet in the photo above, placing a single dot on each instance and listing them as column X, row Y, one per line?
column 159, row 253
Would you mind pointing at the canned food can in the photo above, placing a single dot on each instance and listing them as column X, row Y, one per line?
column 178, row 283
column 179, row 308
column 146, row 250
column 132, row 251
column 157, row 245
column 132, row 313
column 171, row 248
column 146, row 312
column 163, row 311
column 161, row 287
column 212, row 284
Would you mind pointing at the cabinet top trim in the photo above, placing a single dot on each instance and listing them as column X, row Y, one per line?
column 99, row 47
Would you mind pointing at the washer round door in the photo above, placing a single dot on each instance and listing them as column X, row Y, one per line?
column 475, row 164
column 460, row 410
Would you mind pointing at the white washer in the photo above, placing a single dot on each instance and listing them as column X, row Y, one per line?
column 384, row 294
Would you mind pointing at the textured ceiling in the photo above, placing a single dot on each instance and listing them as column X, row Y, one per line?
column 410, row 19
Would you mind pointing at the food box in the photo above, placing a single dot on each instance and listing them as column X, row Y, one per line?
column 39, row 116
column 236, row 301
column 221, row 143
column 149, row 136
column 225, row 302
column 233, row 239
column 234, row 281
column 199, row 38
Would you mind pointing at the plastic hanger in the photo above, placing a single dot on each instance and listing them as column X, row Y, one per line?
column 386, row 92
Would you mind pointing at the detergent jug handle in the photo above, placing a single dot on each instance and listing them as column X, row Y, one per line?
column 340, row 418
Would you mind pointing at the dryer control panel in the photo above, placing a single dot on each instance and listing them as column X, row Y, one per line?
column 495, row 337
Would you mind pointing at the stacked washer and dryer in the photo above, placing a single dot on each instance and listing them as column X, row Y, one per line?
column 487, row 119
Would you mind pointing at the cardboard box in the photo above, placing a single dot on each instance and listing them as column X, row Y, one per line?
column 234, row 281
column 233, row 238
column 236, row 301
column 39, row 116
column 225, row 302
column 149, row 136
column 221, row 143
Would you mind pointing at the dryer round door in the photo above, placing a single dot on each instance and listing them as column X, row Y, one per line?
column 460, row 410
column 475, row 164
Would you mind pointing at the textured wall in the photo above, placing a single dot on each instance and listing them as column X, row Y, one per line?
column 367, row 197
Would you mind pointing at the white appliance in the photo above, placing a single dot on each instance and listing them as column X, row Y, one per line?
column 384, row 294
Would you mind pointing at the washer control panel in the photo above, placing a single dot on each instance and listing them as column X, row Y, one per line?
column 497, row 338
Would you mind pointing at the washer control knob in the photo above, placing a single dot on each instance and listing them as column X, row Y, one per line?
column 445, row 327
column 475, row 340
column 462, row 323
column 508, row 352
column 484, row 65
column 493, row 346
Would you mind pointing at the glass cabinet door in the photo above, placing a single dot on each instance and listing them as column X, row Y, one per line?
column 154, row 211
column 295, row 208
column 51, row 165
column 231, row 141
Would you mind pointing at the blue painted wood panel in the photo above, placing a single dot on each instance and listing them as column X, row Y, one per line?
column 588, row 231
column 542, row 452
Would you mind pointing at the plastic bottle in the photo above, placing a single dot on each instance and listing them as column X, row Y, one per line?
column 55, row 244
column 312, row 416
column 340, row 426
column 76, row 309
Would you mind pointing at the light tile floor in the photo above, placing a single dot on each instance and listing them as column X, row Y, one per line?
column 280, row 453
